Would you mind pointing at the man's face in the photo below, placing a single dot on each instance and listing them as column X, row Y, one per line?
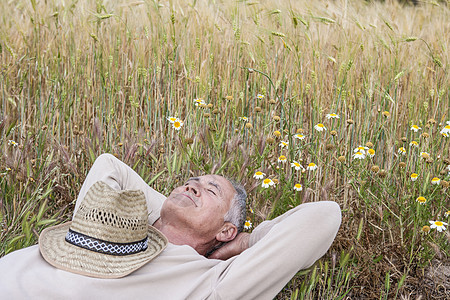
column 199, row 205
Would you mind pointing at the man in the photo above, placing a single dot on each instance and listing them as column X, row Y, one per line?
column 196, row 218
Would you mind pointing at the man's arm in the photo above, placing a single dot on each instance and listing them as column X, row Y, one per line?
column 277, row 250
column 119, row 176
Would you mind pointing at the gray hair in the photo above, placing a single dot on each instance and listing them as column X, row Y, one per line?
column 236, row 213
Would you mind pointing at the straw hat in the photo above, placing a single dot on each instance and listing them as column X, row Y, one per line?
column 109, row 236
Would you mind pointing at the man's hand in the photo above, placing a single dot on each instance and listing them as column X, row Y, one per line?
column 230, row 249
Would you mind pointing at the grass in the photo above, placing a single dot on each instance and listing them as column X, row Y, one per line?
column 79, row 79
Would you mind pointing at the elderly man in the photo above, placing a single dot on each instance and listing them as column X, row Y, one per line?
column 207, row 256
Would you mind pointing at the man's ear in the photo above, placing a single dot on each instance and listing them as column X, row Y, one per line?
column 227, row 233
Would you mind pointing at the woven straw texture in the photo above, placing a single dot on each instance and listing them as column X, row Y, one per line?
column 109, row 215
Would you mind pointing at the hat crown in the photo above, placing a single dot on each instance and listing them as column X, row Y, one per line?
column 111, row 215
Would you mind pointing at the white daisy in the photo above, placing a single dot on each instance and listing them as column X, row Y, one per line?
column 172, row 119
column 297, row 166
column 299, row 136
column 247, row 224
column 435, row 180
column 359, row 155
column 361, row 149
column 415, row 128
column 311, row 167
column 177, row 124
column 267, row 183
column 414, row 176
column 320, row 127
column 284, row 144
column 332, row 116
column 259, row 175
column 298, row 187
column 438, row 225
column 282, row 159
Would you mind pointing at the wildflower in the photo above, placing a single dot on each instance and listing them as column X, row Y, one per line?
column 267, row 183
column 320, row 127
column 415, row 128
column 445, row 130
column 435, row 180
column 13, row 143
column 247, row 224
column 298, row 187
column 369, row 145
column 299, row 136
column 284, row 144
column 359, row 155
column 371, row 152
column 229, row 97
column 426, row 229
column 447, row 213
column 425, row 135
column 414, row 144
column 277, row 133
column 332, row 116
column 402, row 151
column 424, row 155
column 361, row 149
column 414, row 176
column 248, row 125
column 311, row 167
column 243, row 119
column 282, row 159
column 438, row 225
column 177, row 124
column 259, row 175
column 199, row 101
column 421, row 200
column 276, row 118
column 333, row 132
column 260, row 96
column 296, row 165
column 8, row 169
column 386, row 113
column 172, row 119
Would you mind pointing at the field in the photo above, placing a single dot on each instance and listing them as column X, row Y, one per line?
column 359, row 90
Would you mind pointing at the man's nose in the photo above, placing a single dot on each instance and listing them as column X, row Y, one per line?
column 192, row 189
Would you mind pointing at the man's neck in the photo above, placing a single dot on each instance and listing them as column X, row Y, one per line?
column 181, row 237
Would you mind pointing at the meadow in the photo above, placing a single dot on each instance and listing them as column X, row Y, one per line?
column 300, row 101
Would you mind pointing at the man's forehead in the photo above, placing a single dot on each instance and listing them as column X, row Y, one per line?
column 212, row 178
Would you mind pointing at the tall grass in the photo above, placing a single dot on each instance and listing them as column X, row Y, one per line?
column 80, row 78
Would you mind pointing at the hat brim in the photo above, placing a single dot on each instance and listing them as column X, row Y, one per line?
column 63, row 255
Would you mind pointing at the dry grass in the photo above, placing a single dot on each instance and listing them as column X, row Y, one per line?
column 80, row 78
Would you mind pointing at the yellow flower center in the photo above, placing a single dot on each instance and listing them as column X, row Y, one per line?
column 447, row 127
column 258, row 173
column 311, row 165
column 298, row 185
column 320, row 125
column 177, row 124
column 296, row 164
column 282, row 157
column 414, row 175
column 267, row 181
column 371, row 151
column 438, row 223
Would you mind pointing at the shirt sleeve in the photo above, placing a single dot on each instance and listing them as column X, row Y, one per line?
column 278, row 250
